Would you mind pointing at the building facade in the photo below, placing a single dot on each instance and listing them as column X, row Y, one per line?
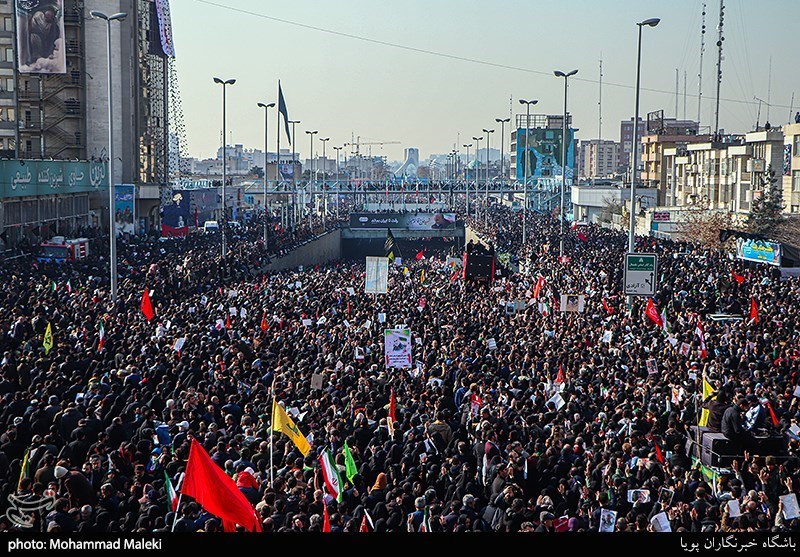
column 791, row 168
column 598, row 158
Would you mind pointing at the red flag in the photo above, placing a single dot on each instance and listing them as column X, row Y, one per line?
column 609, row 307
column 208, row 484
column 652, row 313
column 456, row 274
column 364, row 526
column 326, row 519
column 537, row 289
column 772, row 415
column 582, row 237
column 700, row 334
column 147, row 307
column 264, row 324
column 574, row 225
column 420, row 254
column 228, row 322
column 659, row 454
column 754, row 310
column 563, row 259
column 392, row 406
column 737, row 278
column 560, row 375
column 349, row 308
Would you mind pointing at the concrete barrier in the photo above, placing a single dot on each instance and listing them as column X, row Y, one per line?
column 323, row 249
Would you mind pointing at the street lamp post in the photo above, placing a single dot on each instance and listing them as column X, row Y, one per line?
column 564, row 148
column 310, row 183
column 466, row 174
column 486, row 208
column 324, row 172
column 477, row 141
column 338, row 193
column 112, row 231
column 502, row 122
column 294, row 176
column 652, row 22
column 525, row 172
column 224, row 158
column 266, row 108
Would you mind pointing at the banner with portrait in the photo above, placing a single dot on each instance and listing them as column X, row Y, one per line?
column 123, row 208
column 397, row 348
column 572, row 303
column 40, row 36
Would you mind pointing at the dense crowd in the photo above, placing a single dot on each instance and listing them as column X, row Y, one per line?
column 526, row 420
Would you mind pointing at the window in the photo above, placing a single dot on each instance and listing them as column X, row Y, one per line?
column 796, row 146
column 9, row 84
column 9, row 54
column 8, row 24
column 796, row 181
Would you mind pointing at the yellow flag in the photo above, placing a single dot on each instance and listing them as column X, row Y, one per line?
column 48, row 339
column 422, row 276
column 708, row 390
column 406, row 272
column 283, row 423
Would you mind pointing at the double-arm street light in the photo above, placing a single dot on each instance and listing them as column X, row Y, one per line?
column 225, row 82
column 112, row 229
column 564, row 148
column 266, row 108
column 486, row 209
column 525, row 171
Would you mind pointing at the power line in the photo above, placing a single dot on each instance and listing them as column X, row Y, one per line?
column 442, row 54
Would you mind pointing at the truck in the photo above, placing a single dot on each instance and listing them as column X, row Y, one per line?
column 61, row 249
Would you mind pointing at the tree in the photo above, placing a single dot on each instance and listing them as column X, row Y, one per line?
column 766, row 210
column 703, row 226
column 258, row 171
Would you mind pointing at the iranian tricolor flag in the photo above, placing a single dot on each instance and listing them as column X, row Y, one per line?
column 172, row 495
column 101, row 331
column 333, row 481
column 698, row 331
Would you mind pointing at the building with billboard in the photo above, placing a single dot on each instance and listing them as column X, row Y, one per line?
column 54, row 108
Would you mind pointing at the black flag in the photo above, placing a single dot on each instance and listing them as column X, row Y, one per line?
column 390, row 246
column 282, row 110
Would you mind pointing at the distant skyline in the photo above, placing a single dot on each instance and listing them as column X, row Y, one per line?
column 341, row 85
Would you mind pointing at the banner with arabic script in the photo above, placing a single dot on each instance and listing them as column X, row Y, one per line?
column 29, row 178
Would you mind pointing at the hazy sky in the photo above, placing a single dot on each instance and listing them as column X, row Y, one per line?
column 340, row 85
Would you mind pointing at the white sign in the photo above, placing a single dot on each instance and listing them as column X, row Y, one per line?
column 608, row 519
column 377, row 279
column 397, row 348
column 572, row 303
column 641, row 272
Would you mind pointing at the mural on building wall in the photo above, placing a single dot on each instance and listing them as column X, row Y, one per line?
column 40, row 36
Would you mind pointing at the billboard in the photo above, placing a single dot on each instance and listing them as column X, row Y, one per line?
column 26, row 178
column 40, row 36
column 123, row 208
column 287, row 171
column 397, row 348
column 175, row 215
column 758, row 251
column 541, row 148
column 165, row 27
column 204, row 205
column 407, row 221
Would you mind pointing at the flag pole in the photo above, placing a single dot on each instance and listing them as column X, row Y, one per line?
column 271, row 435
column 175, row 521
column 278, row 155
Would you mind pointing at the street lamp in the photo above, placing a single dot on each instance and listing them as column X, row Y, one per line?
column 486, row 209
column 477, row 141
column 294, row 179
column 566, row 77
column 652, row 22
column 466, row 174
column 525, row 172
column 266, row 108
column 338, row 187
column 224, row 158
column 310, row 183
column 112, row 232
column 324, row 171
column 502, row 122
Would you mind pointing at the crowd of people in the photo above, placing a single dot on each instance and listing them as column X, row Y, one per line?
column 529, row 420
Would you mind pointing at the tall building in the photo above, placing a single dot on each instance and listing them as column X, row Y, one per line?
column 626, row 140
column 54, row 114
column 598, row 158
column 791, row 168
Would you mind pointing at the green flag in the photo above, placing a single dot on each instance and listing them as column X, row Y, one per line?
column 350, row 469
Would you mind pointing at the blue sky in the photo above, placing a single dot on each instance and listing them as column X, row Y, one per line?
column 340, row 85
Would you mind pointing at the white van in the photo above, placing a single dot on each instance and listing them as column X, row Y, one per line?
column 210, row 225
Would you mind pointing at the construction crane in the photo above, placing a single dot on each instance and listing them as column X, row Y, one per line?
column 356, row 145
